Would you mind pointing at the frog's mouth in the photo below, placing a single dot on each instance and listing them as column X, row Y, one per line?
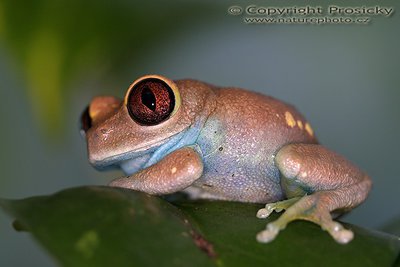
column 140, row 158
column 130, row 161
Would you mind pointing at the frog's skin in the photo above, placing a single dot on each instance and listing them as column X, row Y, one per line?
column 222, row 143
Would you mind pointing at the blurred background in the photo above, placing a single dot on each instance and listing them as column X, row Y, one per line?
column 56, row 55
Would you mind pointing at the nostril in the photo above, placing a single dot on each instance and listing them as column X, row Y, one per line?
column 86, row 121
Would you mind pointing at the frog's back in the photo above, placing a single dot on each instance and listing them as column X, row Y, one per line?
column 239, row 141
column 257, row 115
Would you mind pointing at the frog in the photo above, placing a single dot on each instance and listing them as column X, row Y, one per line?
column 223, row 143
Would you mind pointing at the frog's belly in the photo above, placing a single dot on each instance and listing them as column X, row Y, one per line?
column 236, row 181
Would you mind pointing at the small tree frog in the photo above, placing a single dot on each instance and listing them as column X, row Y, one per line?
column 222, row 143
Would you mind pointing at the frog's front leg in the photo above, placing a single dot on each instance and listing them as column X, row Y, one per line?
column 173, row 173
column 326, row 181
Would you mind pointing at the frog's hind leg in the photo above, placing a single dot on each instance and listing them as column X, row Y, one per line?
column 330, row 183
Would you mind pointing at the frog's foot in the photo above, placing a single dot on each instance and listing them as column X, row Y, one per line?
column 306, row 208
column 277, row 207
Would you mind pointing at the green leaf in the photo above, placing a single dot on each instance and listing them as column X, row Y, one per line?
column 231, row 228
column 96, row 226
column 392, row 227
column 103, row 226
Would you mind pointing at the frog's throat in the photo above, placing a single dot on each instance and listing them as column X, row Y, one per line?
column 144, row 159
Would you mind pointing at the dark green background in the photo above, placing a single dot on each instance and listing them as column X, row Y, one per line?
column 56, row 55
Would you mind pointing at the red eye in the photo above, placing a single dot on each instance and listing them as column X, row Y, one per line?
column 150, row 101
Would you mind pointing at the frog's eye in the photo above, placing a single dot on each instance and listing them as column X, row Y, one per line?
column 151, row 101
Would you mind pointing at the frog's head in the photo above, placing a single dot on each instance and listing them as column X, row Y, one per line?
column 154, row 109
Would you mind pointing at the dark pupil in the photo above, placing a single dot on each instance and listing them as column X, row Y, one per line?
column 148, row 99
